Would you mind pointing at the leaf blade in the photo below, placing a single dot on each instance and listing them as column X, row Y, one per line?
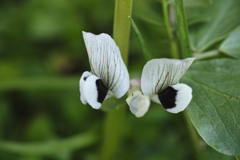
column 51, row 147
column 216, row 102
column 223, row 21
column 231, row 46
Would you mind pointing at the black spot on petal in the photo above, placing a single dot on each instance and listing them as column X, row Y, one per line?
column 85, row 78
column 168, row 97
column 102, row 90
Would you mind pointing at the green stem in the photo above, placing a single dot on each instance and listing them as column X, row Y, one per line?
column 114, row 123
column 173, row 43
column 209, row 54
column 186, row 52
column 182, row 29
column 166, row 19
column 174, row 49
column 121, row 26
column 194, row 136
column 237, row 157
column 114, row 120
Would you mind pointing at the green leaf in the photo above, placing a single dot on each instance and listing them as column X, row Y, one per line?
column 51, row 147
column 40, row 83
column 198, row 3
column 146, row 51
column 143, row 10
column 214, row 109
column 224, row 18
column 195, row 3
column 198, row 20
column 231, row 45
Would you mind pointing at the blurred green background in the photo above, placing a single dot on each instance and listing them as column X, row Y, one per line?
column 42, row 56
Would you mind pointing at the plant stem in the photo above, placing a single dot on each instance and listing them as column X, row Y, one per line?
column 186, row 52
column 237, row 157
column 174, row 49
column 173, row 43
column 114, row 123
column 114, row 120
column 166, row 19
column 121, row 26
column 209, row 54
column 194, row 136
column 182, row 29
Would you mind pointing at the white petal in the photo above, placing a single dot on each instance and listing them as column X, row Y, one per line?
column 81, row 84
column 158, row 74
column 106, row 62
column 138, row 103
column 92, row 90
column 155, row 99
column 109, row 95
column 183, row 97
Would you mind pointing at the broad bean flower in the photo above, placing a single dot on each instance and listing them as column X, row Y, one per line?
column 108, row 76
column 160, row 83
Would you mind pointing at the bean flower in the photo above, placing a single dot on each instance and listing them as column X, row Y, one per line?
column 108, row 76
column 160, row 83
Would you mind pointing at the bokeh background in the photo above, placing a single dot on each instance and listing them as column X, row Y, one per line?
column 42, row 56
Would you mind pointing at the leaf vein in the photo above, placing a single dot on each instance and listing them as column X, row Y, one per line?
column 209, row 87
column 209, row 122
column 220, row 118
column 232, row 111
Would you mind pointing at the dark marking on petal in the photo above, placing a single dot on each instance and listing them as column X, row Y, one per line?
column 113, row 87
column 165, row 79
column 102, row 91
column 168, row 97
column 113, row 75
column 85, row 78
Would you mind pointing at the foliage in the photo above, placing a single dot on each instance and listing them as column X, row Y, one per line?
column 42, row 56
column 215, row 105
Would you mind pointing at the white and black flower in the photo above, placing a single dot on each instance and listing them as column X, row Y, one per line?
column 160, row 83
column 108, row 76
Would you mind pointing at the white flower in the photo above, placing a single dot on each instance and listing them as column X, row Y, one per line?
column 160, row 82
column 108, row 76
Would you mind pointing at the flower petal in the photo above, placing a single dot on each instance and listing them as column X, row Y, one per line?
column 106, row 62
column 138, row 103
column 176, row 98
column 81, row 84
column 92, row 90
column 158, row 74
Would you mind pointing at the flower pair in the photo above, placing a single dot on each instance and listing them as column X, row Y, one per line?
column 109, row 77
